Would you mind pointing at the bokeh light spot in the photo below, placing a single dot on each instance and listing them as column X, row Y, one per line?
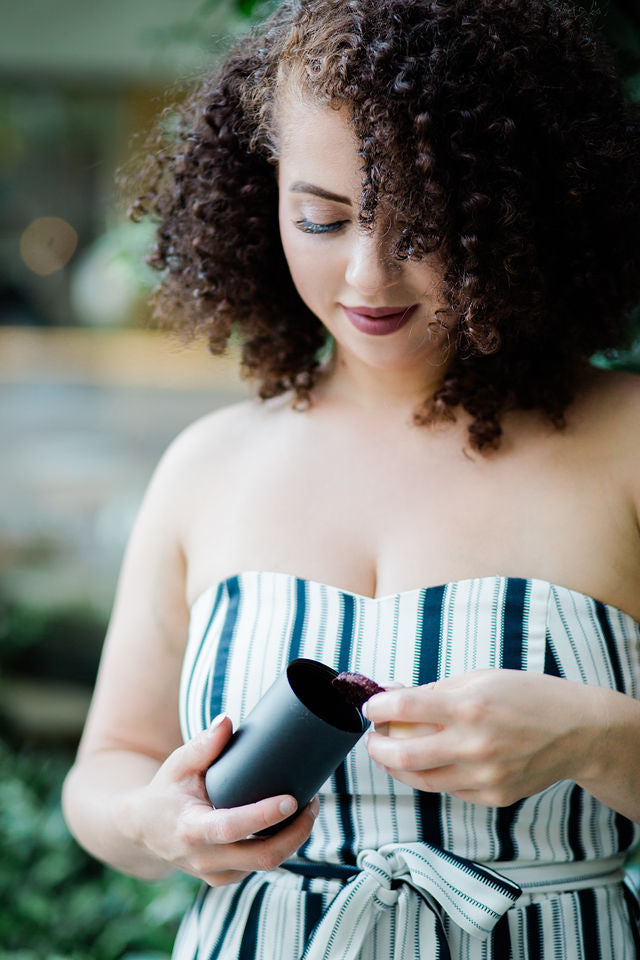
column 48, row 244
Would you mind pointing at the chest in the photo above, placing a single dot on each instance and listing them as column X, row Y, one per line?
column 380, row 517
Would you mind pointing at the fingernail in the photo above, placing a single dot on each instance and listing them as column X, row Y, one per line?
column 315, row 806
column 364, row 710
column 287, row 806
column 217, row 721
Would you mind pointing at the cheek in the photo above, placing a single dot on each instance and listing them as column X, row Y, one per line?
column 428, row 277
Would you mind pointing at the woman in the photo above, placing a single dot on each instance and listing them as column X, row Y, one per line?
column 421, row 220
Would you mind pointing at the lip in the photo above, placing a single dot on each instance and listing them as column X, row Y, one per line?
column 379, row 320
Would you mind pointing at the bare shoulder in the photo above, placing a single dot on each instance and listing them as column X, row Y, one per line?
column 215, row 439
column 210, row 430
column 206, row 459
column 609, row 427
column 236, row 423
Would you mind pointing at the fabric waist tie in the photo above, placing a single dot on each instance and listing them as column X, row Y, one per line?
column 534, row 877
column 473, row 895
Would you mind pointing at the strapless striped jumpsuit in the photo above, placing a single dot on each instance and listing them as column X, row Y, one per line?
column 392, row 873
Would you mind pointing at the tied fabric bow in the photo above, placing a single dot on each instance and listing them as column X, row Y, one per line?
column 473, row 896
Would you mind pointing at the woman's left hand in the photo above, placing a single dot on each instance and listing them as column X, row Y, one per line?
column 497, row 735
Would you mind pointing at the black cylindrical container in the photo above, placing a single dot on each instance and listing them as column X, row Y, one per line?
column 291, row 742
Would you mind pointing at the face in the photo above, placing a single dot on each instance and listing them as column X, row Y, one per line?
column 345, row 276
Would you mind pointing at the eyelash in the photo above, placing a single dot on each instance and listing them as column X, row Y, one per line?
column 308, row 226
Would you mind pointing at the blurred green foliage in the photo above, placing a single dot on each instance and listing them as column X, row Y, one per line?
column 56, row 902
column 623, row 359
column 246, row 8
column 60, row 643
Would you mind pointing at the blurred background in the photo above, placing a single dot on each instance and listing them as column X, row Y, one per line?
column 90, row 396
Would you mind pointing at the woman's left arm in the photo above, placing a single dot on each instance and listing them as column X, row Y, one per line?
column 501, row 735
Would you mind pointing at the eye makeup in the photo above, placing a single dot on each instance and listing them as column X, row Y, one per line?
column 310, row 226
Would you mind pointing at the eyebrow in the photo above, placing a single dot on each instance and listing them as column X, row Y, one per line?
column 300, row 186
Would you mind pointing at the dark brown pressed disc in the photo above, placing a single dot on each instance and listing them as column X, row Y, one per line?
column 356, row 688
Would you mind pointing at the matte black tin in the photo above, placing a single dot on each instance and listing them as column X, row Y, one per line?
column 291, row 742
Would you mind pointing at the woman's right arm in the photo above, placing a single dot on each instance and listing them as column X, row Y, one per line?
column 135, row 797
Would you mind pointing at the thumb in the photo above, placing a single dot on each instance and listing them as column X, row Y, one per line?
column 197, row 754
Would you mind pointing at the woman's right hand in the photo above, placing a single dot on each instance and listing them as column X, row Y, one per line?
column 172, row 818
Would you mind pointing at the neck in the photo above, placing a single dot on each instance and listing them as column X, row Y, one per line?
column 380, row 391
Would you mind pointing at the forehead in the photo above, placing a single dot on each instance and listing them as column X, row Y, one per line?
column 316, row 144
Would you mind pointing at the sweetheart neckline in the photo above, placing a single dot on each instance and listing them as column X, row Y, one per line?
column 404, row 593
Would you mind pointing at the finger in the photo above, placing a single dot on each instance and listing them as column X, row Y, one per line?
column 265, row 853
column 413, row 753
column 423, row 704
column 401, row 730
column 441, row 780
column 197, row 754
column 238, row 823
column 289, row 837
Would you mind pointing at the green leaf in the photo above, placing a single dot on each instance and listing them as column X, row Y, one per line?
column 632, row 87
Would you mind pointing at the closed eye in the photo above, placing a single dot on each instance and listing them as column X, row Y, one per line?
column 308, row 226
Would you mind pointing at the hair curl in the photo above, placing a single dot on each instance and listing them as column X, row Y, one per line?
column 497, row 132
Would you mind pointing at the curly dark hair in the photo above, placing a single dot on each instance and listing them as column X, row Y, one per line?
column 497, row 132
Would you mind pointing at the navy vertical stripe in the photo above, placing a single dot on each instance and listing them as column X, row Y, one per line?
column 506, row 818
column 605, row 626
column 298, row 624
column 625, row 830
column 513, row 620
column 233, row 906
column 347, row 606
column 313, row 910
column 574, row 823
column 250, row 934
column 426, row 669
column 442, row 944
column 347, row 855
column 512, row 625
column 427, row 660
column 533, row 932
column 428, row 816
column 223, row 652
column 551, row 665
column 343, row 809
column 589, row 924
column 502, row 940
column 205, row 634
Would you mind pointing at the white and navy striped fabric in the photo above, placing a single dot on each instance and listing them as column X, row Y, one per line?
column 243, row 633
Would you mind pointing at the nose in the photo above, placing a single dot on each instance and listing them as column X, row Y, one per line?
column 370, row 267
